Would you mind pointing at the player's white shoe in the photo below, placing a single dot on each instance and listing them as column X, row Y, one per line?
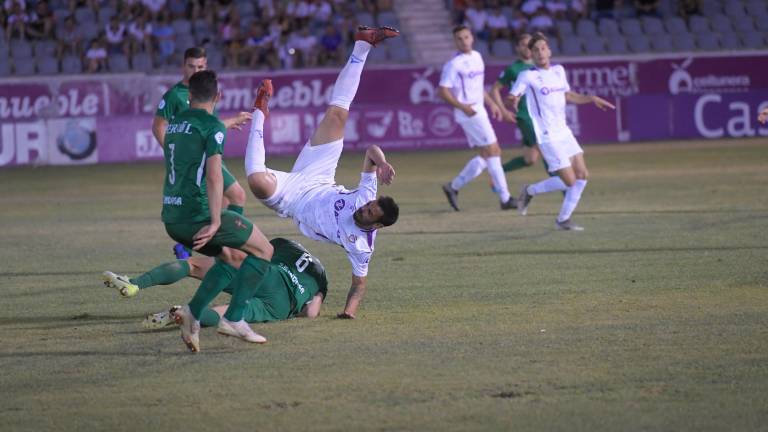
column 567, row 225
column 160, row 319
column 190, row 328
column 121, row 283
column 240, row 329
column 524, row 200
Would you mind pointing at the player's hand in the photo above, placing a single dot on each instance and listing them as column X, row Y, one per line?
column 507, row 115
column 345, row 315
column 513, row 101
column 763, row 116
column 386, row 173
column 467, row 109
column 240, row 119
column 495, row 112
column 602, row 103
column 205, row 235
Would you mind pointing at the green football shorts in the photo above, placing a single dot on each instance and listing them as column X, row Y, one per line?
column 234, row 232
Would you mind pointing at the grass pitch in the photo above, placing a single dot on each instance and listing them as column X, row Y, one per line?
column 654, row 318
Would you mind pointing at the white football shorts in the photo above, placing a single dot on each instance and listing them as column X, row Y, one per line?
column 477, row 128
column 558, row 151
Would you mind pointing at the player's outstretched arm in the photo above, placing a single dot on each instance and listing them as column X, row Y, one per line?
column 506, row 114
column 354, row 297
column 237, row 121
column 579, row 99
column 376, row 161
column 214, row 182
column 159, row 125
column 763, row 116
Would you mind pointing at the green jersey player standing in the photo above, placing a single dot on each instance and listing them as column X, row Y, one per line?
column 508, row 77
column 175, row 101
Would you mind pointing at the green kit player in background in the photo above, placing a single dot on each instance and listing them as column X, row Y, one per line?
column 508, row 77
column 175, row 101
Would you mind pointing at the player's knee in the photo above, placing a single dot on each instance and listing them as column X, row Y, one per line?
column 582, row 174
column 336, row 116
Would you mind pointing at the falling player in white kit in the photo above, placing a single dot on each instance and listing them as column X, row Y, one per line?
column 546, row 91
column 321, row 209
column 462, row 85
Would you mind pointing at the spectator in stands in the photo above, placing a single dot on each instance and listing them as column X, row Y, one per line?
column 519, row 22
column 299, row 11
column 322, row 12
column 331, row 44
column 605, row 9
column 115, row 35
column 476, row 18
column 459, row 11
column 223, row 9
column 70, row 38
column 3, row 19
column 234, row 48
column 578, row 10
column 165, row 36
column 498, row 25
column 178, row 8
column 16, row 25
column 260, row 48
column 41, row 22
column 542, row 22
column 305, row 45
column 688, row 8
column 647, row 8
column 531, row 7
column 8, row 4
column 96, row 56
column 140, row 32
column 557, row 8
column 154, row 6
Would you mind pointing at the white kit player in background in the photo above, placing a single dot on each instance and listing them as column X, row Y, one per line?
column 546, row 89
column 462, row 85
column 321, row 209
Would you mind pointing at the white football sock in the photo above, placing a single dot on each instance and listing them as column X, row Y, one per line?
column 551, row 184
column 254, row 152
column 472, row 169
column 497, row 176
column 349, row 78
column 571, row 200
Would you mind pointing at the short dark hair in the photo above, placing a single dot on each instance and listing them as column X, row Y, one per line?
column 195, row 53
column 538, row 36
column 459, row 28
column 203, row 86
column 390, row 208
column 522, row 36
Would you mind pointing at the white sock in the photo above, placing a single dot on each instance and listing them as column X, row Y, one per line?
column 571, row 200
column 497, row 176
column 254, row 152
column 349, row 78
column 472, row 169
column 551, row 184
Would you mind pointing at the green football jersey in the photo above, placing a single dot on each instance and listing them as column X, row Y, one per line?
column 303, row 273
column 190, row 139
column 508, row 78
column 174, row 101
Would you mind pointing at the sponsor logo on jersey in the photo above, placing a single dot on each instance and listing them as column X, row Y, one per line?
column 546, row 90
column 352, row 238
column 294, row 279
column 172, row 200
column 339, row 204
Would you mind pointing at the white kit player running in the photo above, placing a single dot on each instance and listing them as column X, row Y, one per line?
column 546, row 90
column 462, row 85
column 321, row 209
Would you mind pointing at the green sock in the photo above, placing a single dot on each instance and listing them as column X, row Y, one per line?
column 515, row 164
column 235, row 208
column 217, row 278
column 209, row 318
column 164, row 274
column 247, row 281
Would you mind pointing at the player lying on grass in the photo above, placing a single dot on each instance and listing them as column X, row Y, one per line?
column 321, row 209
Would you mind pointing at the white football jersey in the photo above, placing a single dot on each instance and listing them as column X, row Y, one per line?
column 464, row 74
column 325, row 214
column 544, row 91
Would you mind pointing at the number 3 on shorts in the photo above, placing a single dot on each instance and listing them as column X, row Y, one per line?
column 172, row 175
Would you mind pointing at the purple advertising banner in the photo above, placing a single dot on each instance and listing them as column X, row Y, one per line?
column 108, row 118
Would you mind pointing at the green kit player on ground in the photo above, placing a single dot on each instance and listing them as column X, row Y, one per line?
column 175, row 101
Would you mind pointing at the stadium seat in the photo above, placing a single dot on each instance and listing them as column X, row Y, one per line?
column 246, row 8
column 508, row 12
column 200, row 25
column 711, row 7
column 730, row 41
column 388, row 18
column 734, row 9
column 594, row 46
column 631, row 27
column 564, row 28
column 24, row 66
column 742, row 25
column 608, row 27
column 5, row 68
column 182, row 27
column 366, row 19
column 554, row 46
column 699, row 24
column 84, row 15
column 481, row 46
column 142, row 62
column 639, row 44
column 502, row 48
column 675, row 25
column 753, row 40
column 572, row 46
column 377, row 56
column 661, row 43
column 105, row 14
column 653, row 26
column 47, row 65
column 59, row 14
column 617, row 45
column 757, row 9
column 721, row 23
column 215, row 58
column 20, row 49
column 398, row 50
column 708, row 41
column 118, row 63
column 586, row 28
column 90, row 30
column 184, row 41
column 45, row 48
column 762, row 25
column 71, row 65
column 684, row 42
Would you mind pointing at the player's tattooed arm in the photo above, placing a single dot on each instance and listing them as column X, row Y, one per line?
column 159, row 125
column 763, row 116
column 578, row 98
column 446, row 95
column 237, row 121
column 376, row 161
column 354, row 297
